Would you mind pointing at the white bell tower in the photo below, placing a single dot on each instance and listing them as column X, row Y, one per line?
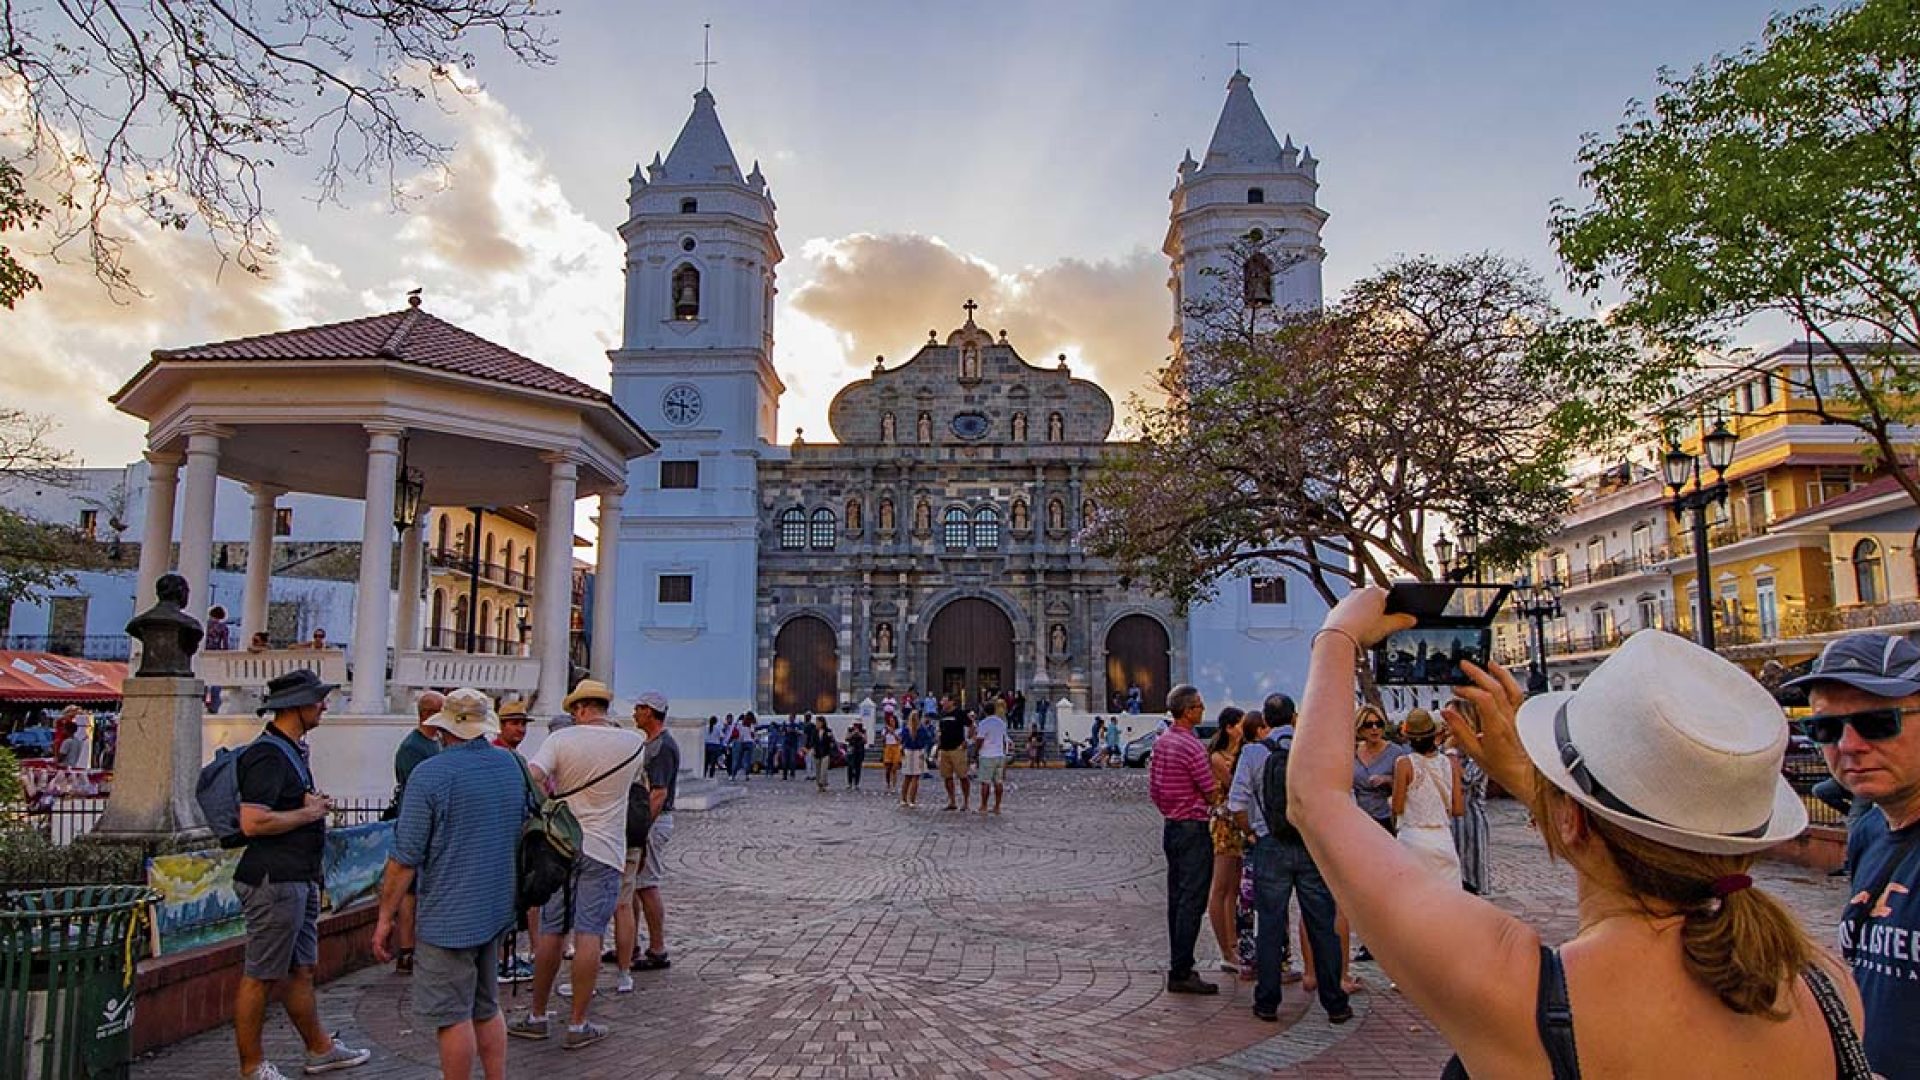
column 695, row 369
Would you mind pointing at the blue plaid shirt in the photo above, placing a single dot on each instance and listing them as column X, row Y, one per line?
column 459, row 823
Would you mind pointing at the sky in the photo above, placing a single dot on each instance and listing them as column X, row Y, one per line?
column 920, row 154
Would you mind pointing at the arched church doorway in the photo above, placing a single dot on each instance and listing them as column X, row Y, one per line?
column 1139, row 654
column 806, row 667
column 970, row 650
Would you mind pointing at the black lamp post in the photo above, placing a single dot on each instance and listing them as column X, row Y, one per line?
column 1468, row 568
column 408, row 487
column 1537, row 601
column 520, row 616
column 1679, row 469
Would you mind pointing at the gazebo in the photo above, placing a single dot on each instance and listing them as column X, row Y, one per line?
column 396, row 410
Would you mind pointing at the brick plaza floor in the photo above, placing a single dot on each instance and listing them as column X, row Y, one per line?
column 837, row 935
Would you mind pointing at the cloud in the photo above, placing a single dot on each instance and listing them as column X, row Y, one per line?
column 881, row 293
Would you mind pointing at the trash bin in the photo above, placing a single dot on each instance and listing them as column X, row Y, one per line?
column 66, row 980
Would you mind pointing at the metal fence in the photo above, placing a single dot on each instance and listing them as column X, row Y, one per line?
column 1804, row 770
column 64, row 820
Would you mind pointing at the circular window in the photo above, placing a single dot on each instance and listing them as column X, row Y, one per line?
column 687, row 244
column 970, row 425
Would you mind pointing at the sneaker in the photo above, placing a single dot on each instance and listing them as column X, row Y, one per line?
column 652, row 961
column 266, row 1071
column 624, row 984
column 403, row 963
column 1271, row 1016
column 528, row 1027
column 1190, row 984
column 338, row 1056
column 608, row 957
column 1340, row 1017
column 588, row 1034
column 516, row 971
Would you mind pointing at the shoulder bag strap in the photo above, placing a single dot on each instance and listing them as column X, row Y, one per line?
column 628, row 761
column 1553, row 1015
column 293, row 755
column 1849, row 1057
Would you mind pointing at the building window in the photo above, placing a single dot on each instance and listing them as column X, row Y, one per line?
column 1020, row 520
column 825, row 525
column 1256, row 196
column 441, row 546
column 676, row 588
column 1832, row 484
column 986, row 528
column 1602, row 625
column 954, row 530
column 793, row 529
column 1019, row 427
column 686, row 293
column 1869, row 574
column 1056, row 427
column 679, row 475
column 1643, row 544
column 689, row 206
column 1766, row 608
column 283, row 521
column 1647, row 614
column 855, row 517
column 1257, row 280
column 1269, row 590
column 1766, row 389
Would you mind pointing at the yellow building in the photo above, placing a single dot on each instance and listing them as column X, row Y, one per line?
column 493, row 579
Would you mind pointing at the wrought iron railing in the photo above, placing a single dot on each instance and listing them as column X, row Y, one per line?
column 79, row 646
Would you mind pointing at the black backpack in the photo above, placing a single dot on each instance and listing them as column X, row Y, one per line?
column 1273, row 789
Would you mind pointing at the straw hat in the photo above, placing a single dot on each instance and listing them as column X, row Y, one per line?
column 588, row 690
column 1418, row 724
column 467, row 714
column 1669, row 741
column 514, row 709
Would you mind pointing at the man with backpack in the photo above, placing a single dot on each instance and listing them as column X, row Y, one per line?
column 588, row 765
column 1281, row 867
column 283, row 822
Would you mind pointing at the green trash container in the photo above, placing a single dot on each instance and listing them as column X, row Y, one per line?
column 66, row 980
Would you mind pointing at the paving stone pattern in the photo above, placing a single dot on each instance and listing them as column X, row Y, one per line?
column 839, row 936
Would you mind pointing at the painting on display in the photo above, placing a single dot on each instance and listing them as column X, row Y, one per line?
column 199, row 907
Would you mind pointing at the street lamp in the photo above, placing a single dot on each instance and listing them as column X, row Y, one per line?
column 1679, row 469
column 1467, row 569
column 520, row 616
column 1538, row 601
column 408, row 486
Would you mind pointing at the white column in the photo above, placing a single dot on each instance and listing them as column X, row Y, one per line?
column 156, row 534
column 552, row 593
column 606, row 566
column 407, row 602
column 253, row 606
column 376, row 570
column 196, row 518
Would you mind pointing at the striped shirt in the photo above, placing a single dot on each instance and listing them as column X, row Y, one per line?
column 459, row 823
column 1179, row 782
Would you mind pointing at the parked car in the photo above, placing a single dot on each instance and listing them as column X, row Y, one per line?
column 1140, row 751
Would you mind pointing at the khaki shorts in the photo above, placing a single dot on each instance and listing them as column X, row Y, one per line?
column 953, row 764
column 634, row 875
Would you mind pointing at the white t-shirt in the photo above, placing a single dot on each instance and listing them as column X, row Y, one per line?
column 574, row 755
column 992, row 733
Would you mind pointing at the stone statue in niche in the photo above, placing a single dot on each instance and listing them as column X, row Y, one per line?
column 1057, row 640
column 168, row 636
column 1019, row 427
column 1056, row 514
column 1056, row 427
column 886, row 427
column 1020, row 515
column 883, row 640
column 926, row 427
column 923, row 517
column 886, row 517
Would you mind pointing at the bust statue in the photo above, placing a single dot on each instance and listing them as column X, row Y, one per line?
column 168, row 636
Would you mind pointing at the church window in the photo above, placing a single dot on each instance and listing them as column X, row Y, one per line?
column 824, row 527
column 676, row 589
column 970, row 425
column 793, row 529
column 886, row 427
column 1087, row 513
column 1256, row 195
column 854, row 515
column 1257, row 281
column 1056, row 514
column 986, row 528
column 688, row 243
column 886, row 517
column 689, row 206
column 686, row 293
column 926, row 427
column 1056, row 427
column 1019, row 427
column 1269, row 590
column 954, row 530
column 679, row 475
column 1020, row 521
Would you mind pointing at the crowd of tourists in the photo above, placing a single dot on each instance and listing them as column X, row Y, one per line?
column 1659, row 781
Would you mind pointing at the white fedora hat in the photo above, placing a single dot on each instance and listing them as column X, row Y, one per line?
column 1669, row 741
column 468, row 714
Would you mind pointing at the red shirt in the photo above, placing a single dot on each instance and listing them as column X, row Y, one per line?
column 1179, row 780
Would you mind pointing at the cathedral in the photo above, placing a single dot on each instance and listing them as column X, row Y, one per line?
column 936, row 543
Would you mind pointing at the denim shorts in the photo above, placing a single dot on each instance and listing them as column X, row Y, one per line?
column 283, row 927
column 596, row 895
column 453, row 986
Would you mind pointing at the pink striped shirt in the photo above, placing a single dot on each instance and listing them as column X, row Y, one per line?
column 1179, row 781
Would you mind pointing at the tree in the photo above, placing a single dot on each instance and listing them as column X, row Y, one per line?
column 1783, row 179
column 1335, row 443
column 35, row 556
column 17, row 211
column 178, row 109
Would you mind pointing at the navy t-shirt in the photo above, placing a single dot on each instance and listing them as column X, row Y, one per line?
column 1886, row 961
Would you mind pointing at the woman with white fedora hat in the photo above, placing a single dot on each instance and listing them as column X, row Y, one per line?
column 1658, row 782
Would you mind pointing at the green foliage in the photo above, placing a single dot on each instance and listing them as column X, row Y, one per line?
column 27, row 857
column 18, row 210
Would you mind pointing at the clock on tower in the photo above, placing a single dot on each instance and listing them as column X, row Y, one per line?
column 681, row 404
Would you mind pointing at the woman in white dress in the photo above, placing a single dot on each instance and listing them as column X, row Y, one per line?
column 1427, row 797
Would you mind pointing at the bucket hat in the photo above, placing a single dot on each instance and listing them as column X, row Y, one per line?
column 1880, row 664
column 588, row 690
column 301, row 686
column 1670, row 742
column 468, row 714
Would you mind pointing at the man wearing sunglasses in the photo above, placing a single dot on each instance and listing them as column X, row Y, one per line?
column 1865, row 694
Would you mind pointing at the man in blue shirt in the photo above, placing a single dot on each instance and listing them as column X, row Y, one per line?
column 1864, row 689
column 459, row 822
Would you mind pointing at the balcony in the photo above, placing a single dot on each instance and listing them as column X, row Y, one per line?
column 444, row 640
column 1719, row 536
column 1617, row 567
column 498, row 573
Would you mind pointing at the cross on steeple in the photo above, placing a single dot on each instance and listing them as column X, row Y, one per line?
column 1236, row 46
column 970, row 306
column 706, row 62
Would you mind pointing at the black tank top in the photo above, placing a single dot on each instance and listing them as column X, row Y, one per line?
column 1553, row 1017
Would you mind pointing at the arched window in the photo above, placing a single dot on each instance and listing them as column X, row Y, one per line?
column 1056, row 427
column 506, row 556
column 485, row 628
column 1869, row 579
column 954, row 532
column 466, row 540
column 1256, row 195
column 526, row 565
column 793, row 529
column 886, row 427
column 824, row 527
column 437, row 621
column 686, row 293
column 1257, row 283
column 1056, row 514
column 1020, row 521
column 886, row 517
column 925, row 426
column 1019, row 427
column 854, row 516
column 689, row 206
column 487, row 548
column 442, row 545
column 461, row 625
column 986, row 528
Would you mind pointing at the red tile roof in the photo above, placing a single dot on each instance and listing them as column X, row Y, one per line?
column 410, row 337
column 1886, row 485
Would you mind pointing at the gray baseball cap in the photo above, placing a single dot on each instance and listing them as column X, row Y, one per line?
column 1881, row 664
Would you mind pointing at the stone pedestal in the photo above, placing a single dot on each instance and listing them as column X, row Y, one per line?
column 156, row 766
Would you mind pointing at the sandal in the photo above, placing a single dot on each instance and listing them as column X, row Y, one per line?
column 651, row 961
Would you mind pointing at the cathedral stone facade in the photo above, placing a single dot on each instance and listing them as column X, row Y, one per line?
column 936, row 542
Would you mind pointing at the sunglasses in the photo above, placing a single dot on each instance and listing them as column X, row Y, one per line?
column 1871, row 724
column 1373, row 724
